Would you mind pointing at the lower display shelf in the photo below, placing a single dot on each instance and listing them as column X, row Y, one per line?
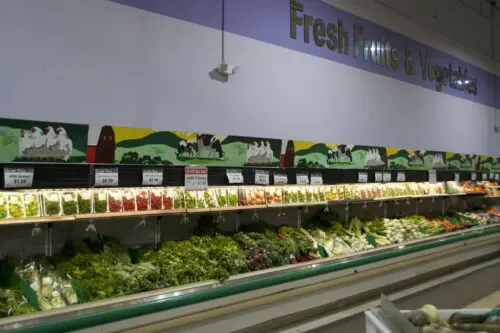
column 102, row 312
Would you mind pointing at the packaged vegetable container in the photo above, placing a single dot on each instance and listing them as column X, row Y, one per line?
column 69, row 203
column 52, row 205
column 190, row 199
column 270, row 195
column 128, row 201
column 260, row 196
column 221, row 197
column 32, row 204
column 179, row 198
column 4, row 206
column 301, row 194
column 16, row 205
column 100, row 202
column 232, row 197
column 156, row 199
column 141, row 199
column 85, row 203
column 115, row 204
column 210, row 198
column 246, row 196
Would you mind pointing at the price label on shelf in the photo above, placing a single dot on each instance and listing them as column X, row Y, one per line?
column 195, row 178
column 234, row 176
column 362, row 177
column 106, row 177
column 261, row 177
column 484, row 176
column 18, row 177
column 316, row 178
column 302, row 178
column 497, row 177
column 473, row 176
column 432, row 176
column 457, row 176
column 492, row 176
column 152, row 177
column 379, row 177
column 387, row 177
column 401, row 176
column 280, row 178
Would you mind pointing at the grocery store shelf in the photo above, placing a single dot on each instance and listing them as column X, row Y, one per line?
column 36, row 220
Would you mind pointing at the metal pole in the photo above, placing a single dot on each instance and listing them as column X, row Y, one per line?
column 48, row 240
column 493, row 59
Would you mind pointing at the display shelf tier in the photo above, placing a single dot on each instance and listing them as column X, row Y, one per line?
column 122, row 308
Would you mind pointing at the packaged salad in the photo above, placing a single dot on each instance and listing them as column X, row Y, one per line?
column 128, row 201
column 100, row 202
column 190, row 199
column 115, row 204
column 16, row 205
column 69, row 203
column 3, row 205
column 210, row 198
column 200, row 199
column 156, row 199
column 141, row 199
column 301, row 194
column 85, row 204
column 180, row 199
column 52, row 203
column 232, row 197
column 32, row 204
column 221, row 197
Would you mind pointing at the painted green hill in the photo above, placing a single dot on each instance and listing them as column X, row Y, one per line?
column 157, row 138
column 455, row 157
column 320, row 148
column 400, row 154
column 275, row 143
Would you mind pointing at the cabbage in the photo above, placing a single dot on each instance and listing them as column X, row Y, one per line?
column 432, row 311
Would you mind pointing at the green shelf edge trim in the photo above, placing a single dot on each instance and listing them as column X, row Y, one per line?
column 136, row 310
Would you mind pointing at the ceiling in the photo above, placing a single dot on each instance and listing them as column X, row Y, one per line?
column 466, row 22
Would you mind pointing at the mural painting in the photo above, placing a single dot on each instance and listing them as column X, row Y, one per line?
column 488, row 163
column 461, row 162
column 37, row 141
column 410, row 159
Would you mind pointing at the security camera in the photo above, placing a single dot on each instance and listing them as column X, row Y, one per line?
column 228, row 69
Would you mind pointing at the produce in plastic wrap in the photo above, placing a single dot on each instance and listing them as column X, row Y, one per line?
column 301, row 194
column 270, row 195
column 16, row 205
column 3, row 206
column 260, row 196
column 278, row 195
column 330, row 193
column 128, row 201
column 190, row 198
column 100, row 202
column 200, row 199
column 232, row 197
column 179, row 199
column 115, row 202
column 52, row 203
column 69, row 203
column 222, row 197
column 210, row 198
column 155, row 199
column 141, row 199
column 246, row 196
column 32, row 204
column 84, row 201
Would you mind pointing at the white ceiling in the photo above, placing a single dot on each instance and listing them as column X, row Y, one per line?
column 466, row 22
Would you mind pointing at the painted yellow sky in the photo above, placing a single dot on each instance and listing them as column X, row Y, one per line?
column 127, row 133
column 302, row 145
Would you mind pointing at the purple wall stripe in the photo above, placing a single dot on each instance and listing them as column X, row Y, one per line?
column 269, row 21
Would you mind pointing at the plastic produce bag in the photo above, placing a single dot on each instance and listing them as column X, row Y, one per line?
column 52, row 203
column 85, row 203
column 3, row 206
column 16, row 205
column 69, row 203
column 100, row 202
column 155, row 199
column 115, row 204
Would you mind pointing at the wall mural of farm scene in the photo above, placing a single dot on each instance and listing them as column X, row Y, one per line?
column 40, row 141
column 410, row 159
column 462, row 162
column 488, row 163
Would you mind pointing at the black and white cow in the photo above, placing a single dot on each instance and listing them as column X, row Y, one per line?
column 417, row 156
column 345, row 151
column 210, row 143
column 185, row 147
column 333, row 155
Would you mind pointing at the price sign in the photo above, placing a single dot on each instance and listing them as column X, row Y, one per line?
column 234, row 176
column 473, row 176
column 387, row 177
column 195, row 178
column 497, row 177
column 432, row 176
column 316, row 178
column 484, row 176
column 362, row 177
column 261, row 177
column 106, row 177
column 280, row 178
column 152, row 177
column 401, row 177
column 302, row 178
column 18, row 177
column 379, row 177
column 492, row 176
column 457, row 177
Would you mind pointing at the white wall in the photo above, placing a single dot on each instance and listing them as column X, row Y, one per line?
column 92, row 61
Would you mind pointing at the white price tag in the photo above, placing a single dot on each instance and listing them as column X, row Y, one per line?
column 362, row 177
column 457, row 177
column 106, row 177
column 473, row 176
column 234, row 176
column 497, row 177
column 401, row 177
column 316, row 178
column 484, row 176
column 18, row 177
column 302, row 178
column 387, row 177
column 261, row 177
column 280, row 178
column 152, row 177
column 432, row 176
column 195, row 178
column 379, row 177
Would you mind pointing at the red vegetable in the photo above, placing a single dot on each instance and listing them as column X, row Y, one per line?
column 155, row 201
column 128, row 201
column 168, row 202
column 115, row 204
column 141, row 198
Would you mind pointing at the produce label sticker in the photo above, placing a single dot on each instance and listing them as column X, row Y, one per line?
column 106, row 177
column 473, row 176
column 316, row 178
column 432, row 176
column 302, row 178
column 387, row 177
column 362, row 177
column 18, row 177
column 457, row 177
column 261, row 177
column 152, row 177
column 280, row 178
column 401, row 176
column 195, row 178
column 379, row 177
column 234, row 176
